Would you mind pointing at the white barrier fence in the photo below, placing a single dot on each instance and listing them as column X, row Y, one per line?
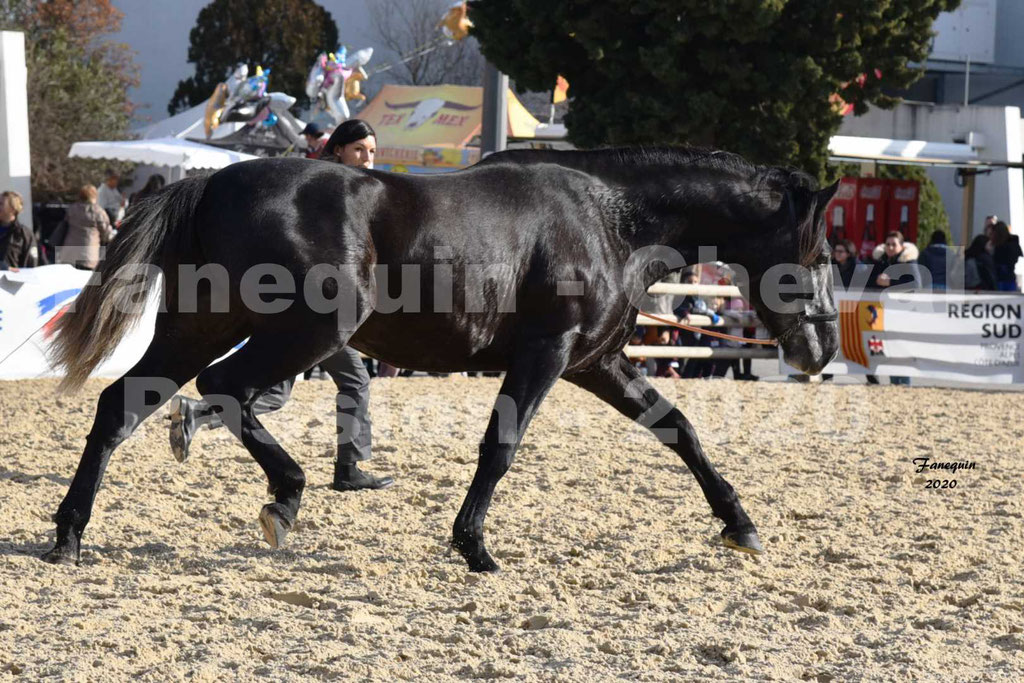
column 944, row 335
column 683, row 352
column 31, row 300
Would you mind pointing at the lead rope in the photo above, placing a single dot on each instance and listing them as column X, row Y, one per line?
column 711, row 333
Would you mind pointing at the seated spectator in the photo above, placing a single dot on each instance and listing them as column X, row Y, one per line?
column 88, row 228
column 1005, row 253
column 18, row 248
column 844, row 255
column 990, row 224
column 694, row 305
column 110, row 198
column 934, row 258
column 661, row 336
column 897, row 254
column 979, row 269
column 893, row 253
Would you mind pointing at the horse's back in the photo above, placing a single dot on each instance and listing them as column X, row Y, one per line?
column 508, row 233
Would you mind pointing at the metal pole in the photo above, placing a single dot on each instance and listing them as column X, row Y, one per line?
column 967, row 211
column 967, row 82
column 494, row 130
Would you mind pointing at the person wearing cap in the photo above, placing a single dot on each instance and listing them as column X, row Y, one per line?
column 316, row 138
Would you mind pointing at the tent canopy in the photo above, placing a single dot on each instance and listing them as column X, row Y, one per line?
column 168, row 151
column 886, row 150
column 186, row 124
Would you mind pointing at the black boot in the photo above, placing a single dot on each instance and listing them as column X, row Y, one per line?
column 348, row 477
column 183, row 425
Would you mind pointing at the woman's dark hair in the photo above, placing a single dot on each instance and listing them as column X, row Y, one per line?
column 346, row 133
column 977, row 247
column 938, row 237
column 154, row 184
column 1000, row 233
column 849, row 247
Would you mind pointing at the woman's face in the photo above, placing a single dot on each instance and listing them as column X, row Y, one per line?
column 839, row 254
column 359, row 153
column 893, row 246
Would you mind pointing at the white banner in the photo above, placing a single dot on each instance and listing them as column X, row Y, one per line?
column 31, row 300
column 942, row 335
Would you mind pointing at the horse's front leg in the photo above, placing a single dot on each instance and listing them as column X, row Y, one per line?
column 121, row 408
column 536, row 366
column 617, row 382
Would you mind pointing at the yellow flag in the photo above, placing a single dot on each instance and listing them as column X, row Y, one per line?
column 561, row 88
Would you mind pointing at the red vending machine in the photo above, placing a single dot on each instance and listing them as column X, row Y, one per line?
column 839, row 217
column 904, row 200
column 872, row 200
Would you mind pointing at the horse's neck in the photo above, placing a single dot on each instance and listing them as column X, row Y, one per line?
column 674, row 208
column 685, row 206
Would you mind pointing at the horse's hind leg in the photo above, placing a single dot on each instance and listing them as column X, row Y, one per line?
column 178, row 351
column 234, row 384
column 616, row 381
column 535, row 368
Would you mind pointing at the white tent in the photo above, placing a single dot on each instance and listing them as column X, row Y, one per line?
column 179, row 155
column 186, row 124
column 885, row 150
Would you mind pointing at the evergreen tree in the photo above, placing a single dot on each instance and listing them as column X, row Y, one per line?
column 284, row 35
column 754, row 77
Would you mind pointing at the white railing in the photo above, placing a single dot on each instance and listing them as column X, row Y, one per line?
column 724, row 353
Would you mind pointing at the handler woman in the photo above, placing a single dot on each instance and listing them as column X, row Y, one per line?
column 353, row 143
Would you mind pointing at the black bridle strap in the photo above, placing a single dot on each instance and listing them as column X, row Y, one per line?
column 819, row 318
column 805, row 318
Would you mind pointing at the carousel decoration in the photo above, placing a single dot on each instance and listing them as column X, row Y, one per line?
column 333, row 81
column 245, row 99
column 455, row 23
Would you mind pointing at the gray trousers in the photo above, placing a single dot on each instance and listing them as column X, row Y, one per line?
column 349, row 373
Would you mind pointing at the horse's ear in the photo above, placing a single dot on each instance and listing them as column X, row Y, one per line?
column 825, row 194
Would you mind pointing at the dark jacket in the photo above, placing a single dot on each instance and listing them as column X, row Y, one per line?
column 18, row 247
column 1005, row 258
column 979, row 269
column 846, row 270
column 933, row 259
column 882, row 263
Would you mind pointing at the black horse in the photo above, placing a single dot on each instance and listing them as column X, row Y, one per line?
column 533, row 263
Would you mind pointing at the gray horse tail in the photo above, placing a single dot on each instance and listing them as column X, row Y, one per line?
column 155, row 231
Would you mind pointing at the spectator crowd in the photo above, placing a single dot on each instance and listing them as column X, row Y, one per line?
column 986, row 265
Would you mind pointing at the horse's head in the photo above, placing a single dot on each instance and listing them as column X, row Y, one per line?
column 790, row 275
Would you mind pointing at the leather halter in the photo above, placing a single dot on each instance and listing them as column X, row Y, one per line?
column 805, row 318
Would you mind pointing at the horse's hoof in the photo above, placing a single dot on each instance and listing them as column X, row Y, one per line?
column 183, row 427
column 60, row 556
column 274, row 524
column 743, row 541
column 483, row 563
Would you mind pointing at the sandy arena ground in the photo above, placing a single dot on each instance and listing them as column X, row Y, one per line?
column 611, row 566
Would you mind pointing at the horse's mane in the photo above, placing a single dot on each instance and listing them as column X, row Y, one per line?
column 790, row 180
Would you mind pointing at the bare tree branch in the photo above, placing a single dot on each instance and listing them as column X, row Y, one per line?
column 405, row 26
